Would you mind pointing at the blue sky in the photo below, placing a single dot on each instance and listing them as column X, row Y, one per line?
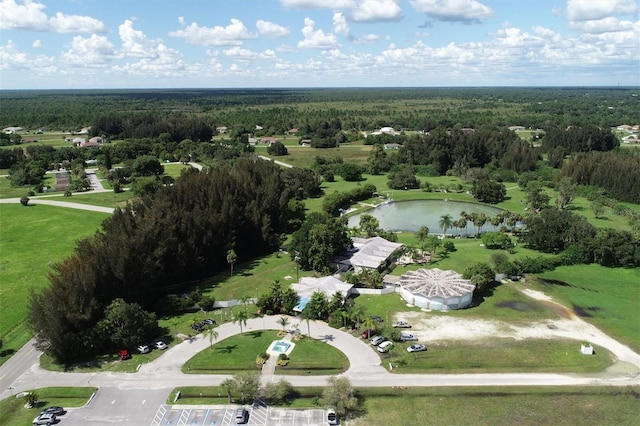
column 59, row 44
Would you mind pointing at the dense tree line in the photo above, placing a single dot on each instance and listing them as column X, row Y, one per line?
column 618, row 172
column 157, row 246
column 579, row 139
column 576, row 241
column 278, row 110
column 318, row 240
column 458, row 151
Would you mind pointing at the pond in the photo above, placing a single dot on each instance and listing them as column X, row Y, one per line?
column 411, row 215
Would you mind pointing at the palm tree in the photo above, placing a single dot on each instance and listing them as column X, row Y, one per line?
column 232, row 257
column 460, row 224
column 345, row 316
column 482, row 219
column 212, row 333
column 369, row 324
column 245, row 301
column 306, row 315
column 228, row 385
column 283, row 321
column 356, row 313
column 422, row 235
column 445, row 223
column 240, row 317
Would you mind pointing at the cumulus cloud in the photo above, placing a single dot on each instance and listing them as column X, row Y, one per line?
column 466, row 11
column 367, row 39
column 90, row 52
column 232, row 35
column 317, row 39
column 340, row 25
column 134, row 42
column 240, row 53
column 587, row 10
column 604, row 25
column 37, row 44
column 270, row 29
column 11, row 57
column 29, row 15
column 377, row 11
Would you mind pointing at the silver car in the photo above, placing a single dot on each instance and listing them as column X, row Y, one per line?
column 376, row 340
column 45, row 419
column 406, row 337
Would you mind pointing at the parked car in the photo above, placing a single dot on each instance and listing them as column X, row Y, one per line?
column 45, row 419
column 159, row 344
column 376, row 318
column 143, row 349
column 401, row 324
column 406, row 337
column 368, row 333
column 385, row 346
column 58, row 411
column 241, row 416
column 417, row 348
column 376, row 340
column 124, row 354
column 332, row 417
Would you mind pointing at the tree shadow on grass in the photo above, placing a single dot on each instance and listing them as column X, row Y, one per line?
column 479, row 297
column 255, row 334
column 226, row 349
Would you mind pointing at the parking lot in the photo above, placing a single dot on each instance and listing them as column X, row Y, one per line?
column 258, row 415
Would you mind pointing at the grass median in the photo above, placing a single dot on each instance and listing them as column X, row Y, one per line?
column 14, row 413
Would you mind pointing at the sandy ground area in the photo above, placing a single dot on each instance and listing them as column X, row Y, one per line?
column 569, row 326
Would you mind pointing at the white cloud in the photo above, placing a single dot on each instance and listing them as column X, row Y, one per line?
column 467, row 11
column 181, row 20
column 12, row 58
column 30, row 15
column 377, row 11
column 90, row 52
column 37, row 44
column 367, row 39
column 134, row 42
column 76, row 24
column 240, row 53
column 317, row 4
column 587, row 10
column 316, row 38
column 270, row 29
column 604, row 25
column 232, row 35
column 340, row 25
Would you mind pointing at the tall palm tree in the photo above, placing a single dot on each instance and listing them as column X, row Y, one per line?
column 306, row 315
column 422, row 235
column 357, row 313
column 482, row 219
column 212, row 333
column 232, row 257
column 245, row 301
column 460, row 224
column 445, row 223
column 283, row 321
column 240, row 317
column 228, row 385
column 369, row 324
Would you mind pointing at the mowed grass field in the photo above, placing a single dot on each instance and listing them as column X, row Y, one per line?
column 31, row 240
column 605, row 297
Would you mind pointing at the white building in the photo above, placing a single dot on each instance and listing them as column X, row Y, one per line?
column 436, row 289
column 370, row 253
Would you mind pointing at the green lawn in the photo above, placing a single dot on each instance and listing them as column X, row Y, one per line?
column 103, row 199
column 238, row 353
column 605, row 297
column 31, row 240
column 13, row 412
column 498, row 355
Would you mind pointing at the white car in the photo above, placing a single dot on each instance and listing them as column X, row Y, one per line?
column 417, row 348
column 159, row 344
column 45, row 419
column 385, row 346
column 143, row 349
column 401, row 324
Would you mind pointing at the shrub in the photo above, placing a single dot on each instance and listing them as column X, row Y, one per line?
column 283, row 360
column 24, row 200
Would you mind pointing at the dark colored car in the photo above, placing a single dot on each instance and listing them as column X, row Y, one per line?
column 376, row 318
column 58, row 411
column 368, row 334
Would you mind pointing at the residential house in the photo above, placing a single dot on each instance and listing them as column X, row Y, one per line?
column 293, row 131
column 370, row 254
column 269, row 140
column 328, row 285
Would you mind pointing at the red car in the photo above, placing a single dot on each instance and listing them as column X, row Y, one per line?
column 368, row 334
column 124, row 354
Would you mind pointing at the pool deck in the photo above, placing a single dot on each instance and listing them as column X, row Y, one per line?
column 269, row 367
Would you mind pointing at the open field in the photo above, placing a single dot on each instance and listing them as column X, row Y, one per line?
column 31, row 240
column 238, row 353
column 13, row 413
column 499, row 355
column 605, row 297
column 467, row 405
